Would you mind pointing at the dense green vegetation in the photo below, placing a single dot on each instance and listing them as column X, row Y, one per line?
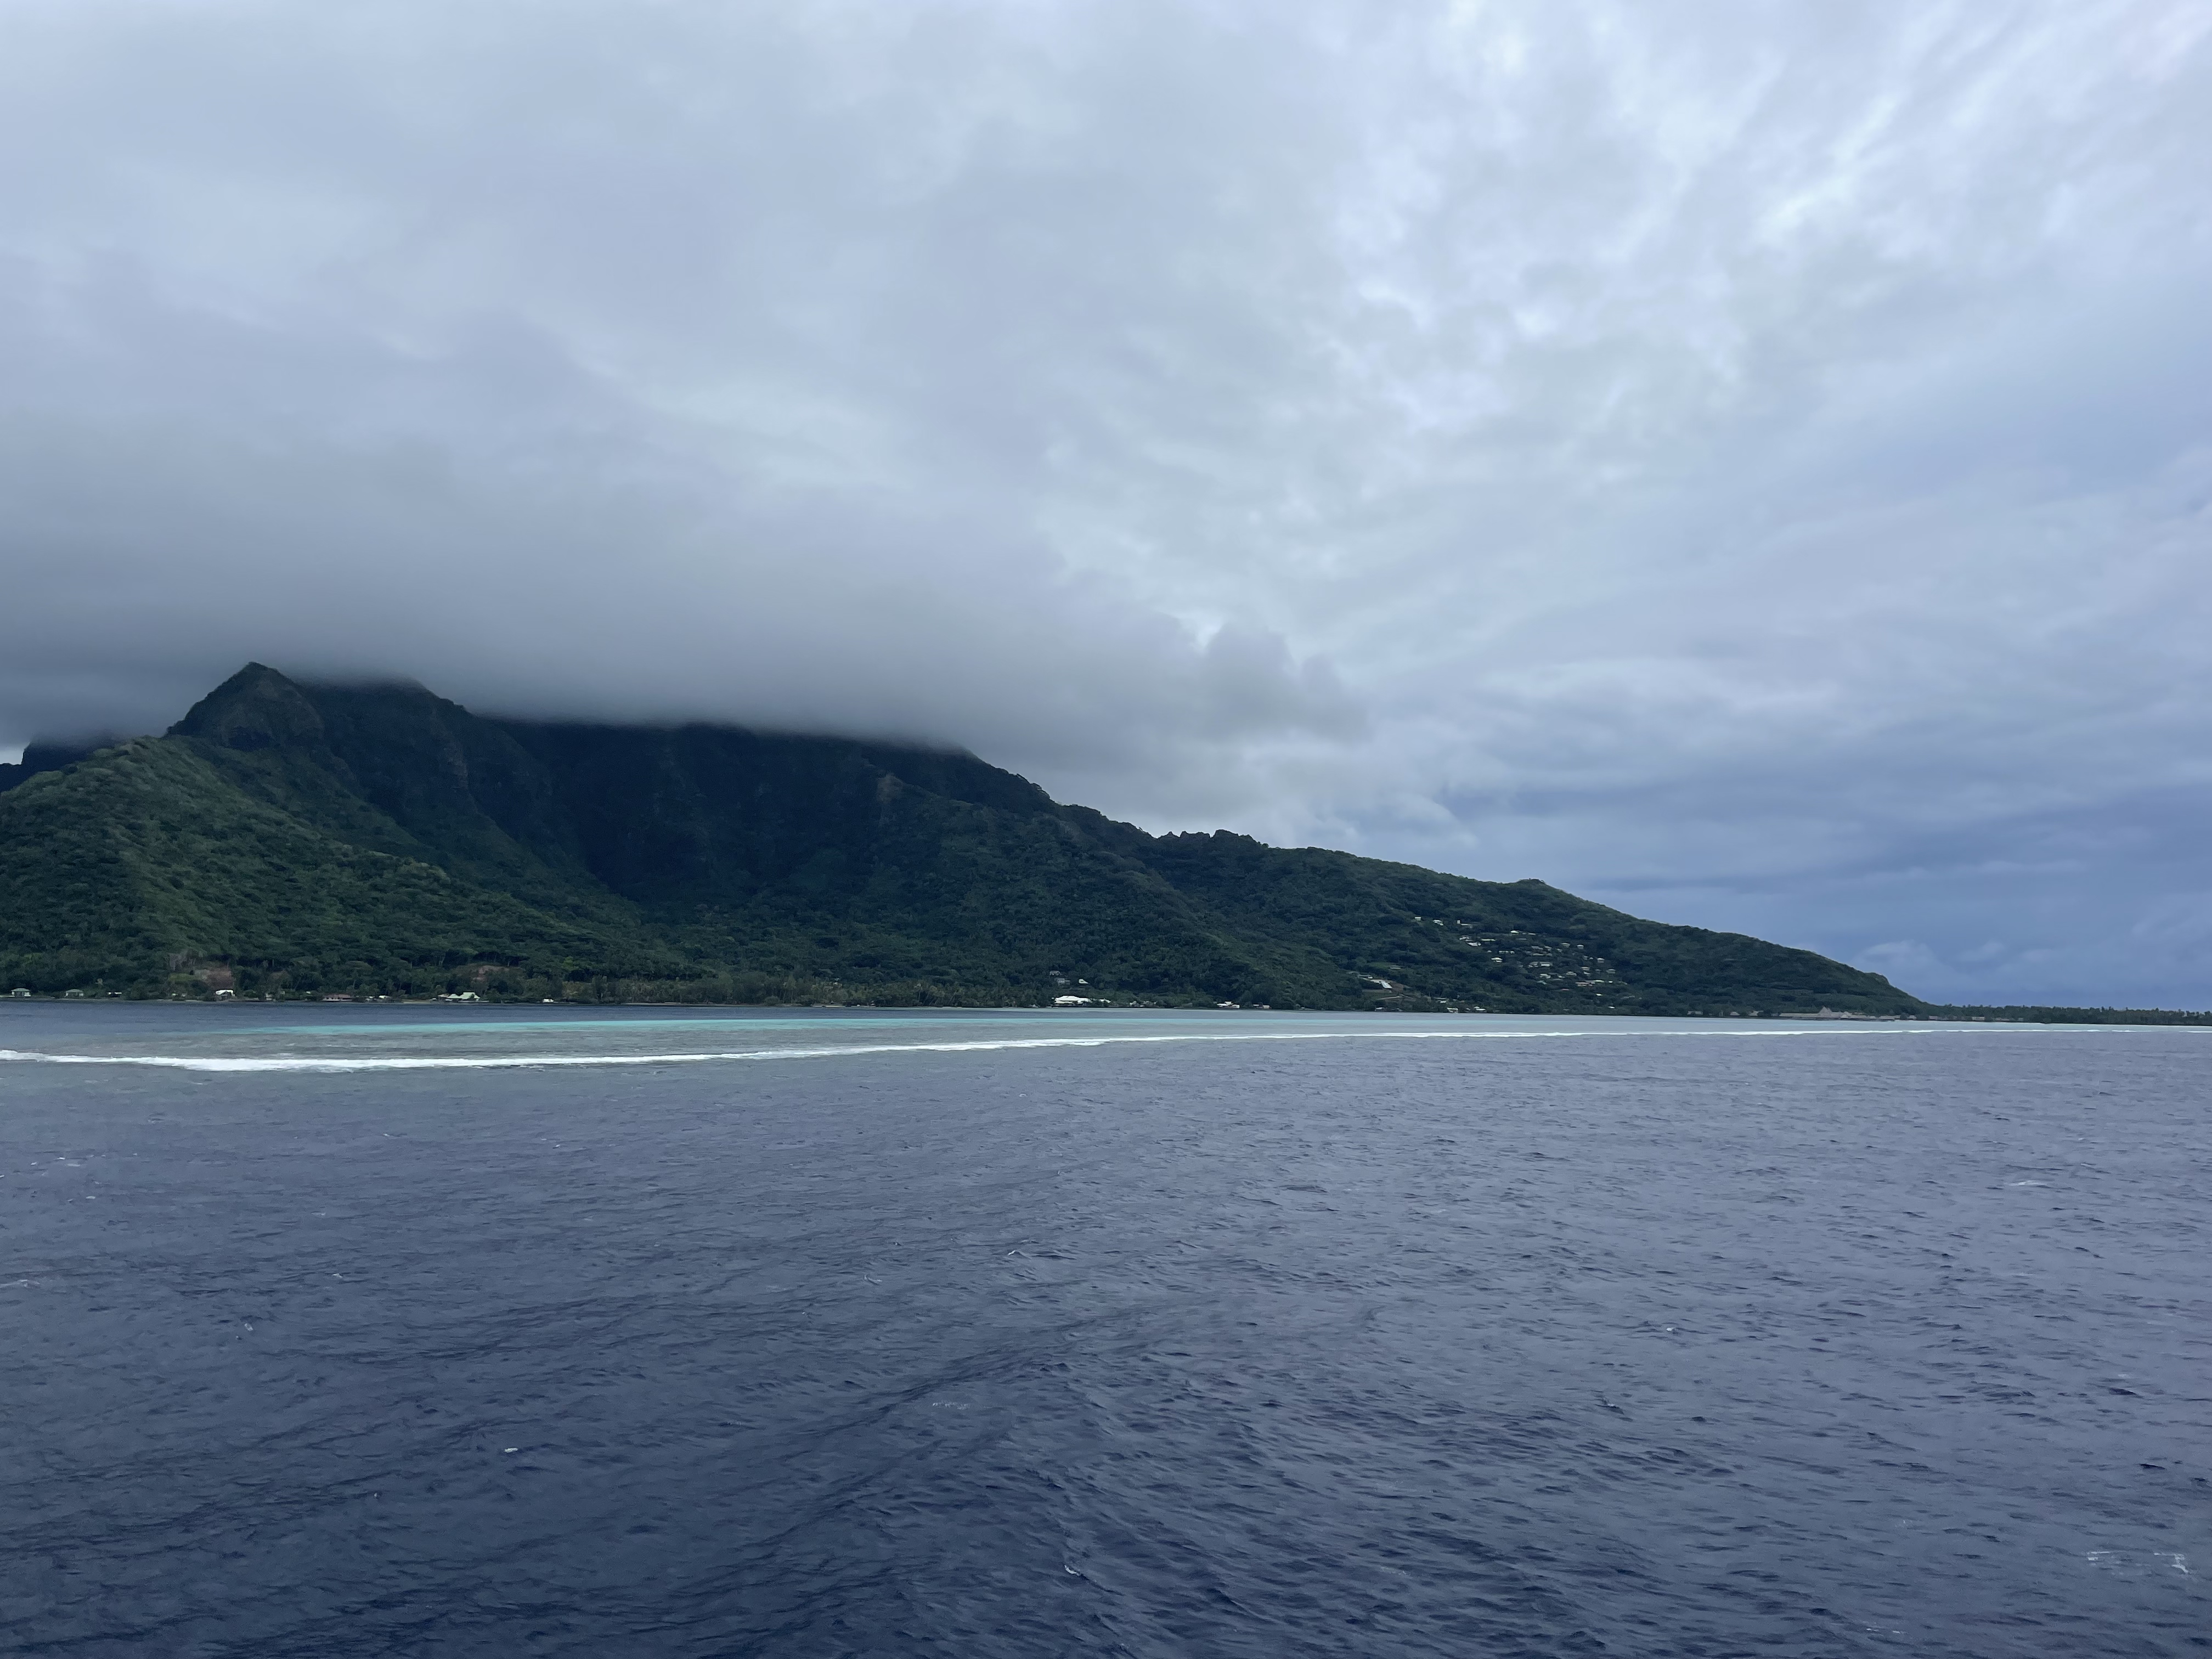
column 289, row 839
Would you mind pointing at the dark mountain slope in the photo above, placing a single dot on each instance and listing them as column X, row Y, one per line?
column 143, row 863
column 48, row 757
column 382, row 838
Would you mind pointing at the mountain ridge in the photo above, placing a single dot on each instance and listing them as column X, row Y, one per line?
column 284, row 838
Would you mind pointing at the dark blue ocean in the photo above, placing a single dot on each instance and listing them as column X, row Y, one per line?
column 332, row 1332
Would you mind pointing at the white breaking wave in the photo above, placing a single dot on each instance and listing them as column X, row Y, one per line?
column 490, row 1062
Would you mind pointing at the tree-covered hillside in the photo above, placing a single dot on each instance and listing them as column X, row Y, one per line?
column 284, row 838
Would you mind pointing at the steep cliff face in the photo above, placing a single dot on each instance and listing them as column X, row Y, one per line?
column 365, row 838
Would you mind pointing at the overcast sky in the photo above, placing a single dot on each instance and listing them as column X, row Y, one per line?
column 1745, row 462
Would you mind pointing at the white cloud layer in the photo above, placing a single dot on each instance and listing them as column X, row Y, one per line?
column 1748, row 463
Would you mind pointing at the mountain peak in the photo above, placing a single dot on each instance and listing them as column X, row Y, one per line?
column 257, row 708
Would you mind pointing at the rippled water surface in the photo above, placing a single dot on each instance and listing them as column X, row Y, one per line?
column 974, row 1334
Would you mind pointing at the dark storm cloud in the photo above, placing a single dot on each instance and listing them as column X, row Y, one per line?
column 1750, row 462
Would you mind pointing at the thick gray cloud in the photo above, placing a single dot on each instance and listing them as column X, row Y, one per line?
column 1749, row 462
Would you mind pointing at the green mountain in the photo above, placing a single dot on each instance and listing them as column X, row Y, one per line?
column 287, row 839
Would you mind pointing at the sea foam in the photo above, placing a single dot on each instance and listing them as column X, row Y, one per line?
column 501, row 1062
